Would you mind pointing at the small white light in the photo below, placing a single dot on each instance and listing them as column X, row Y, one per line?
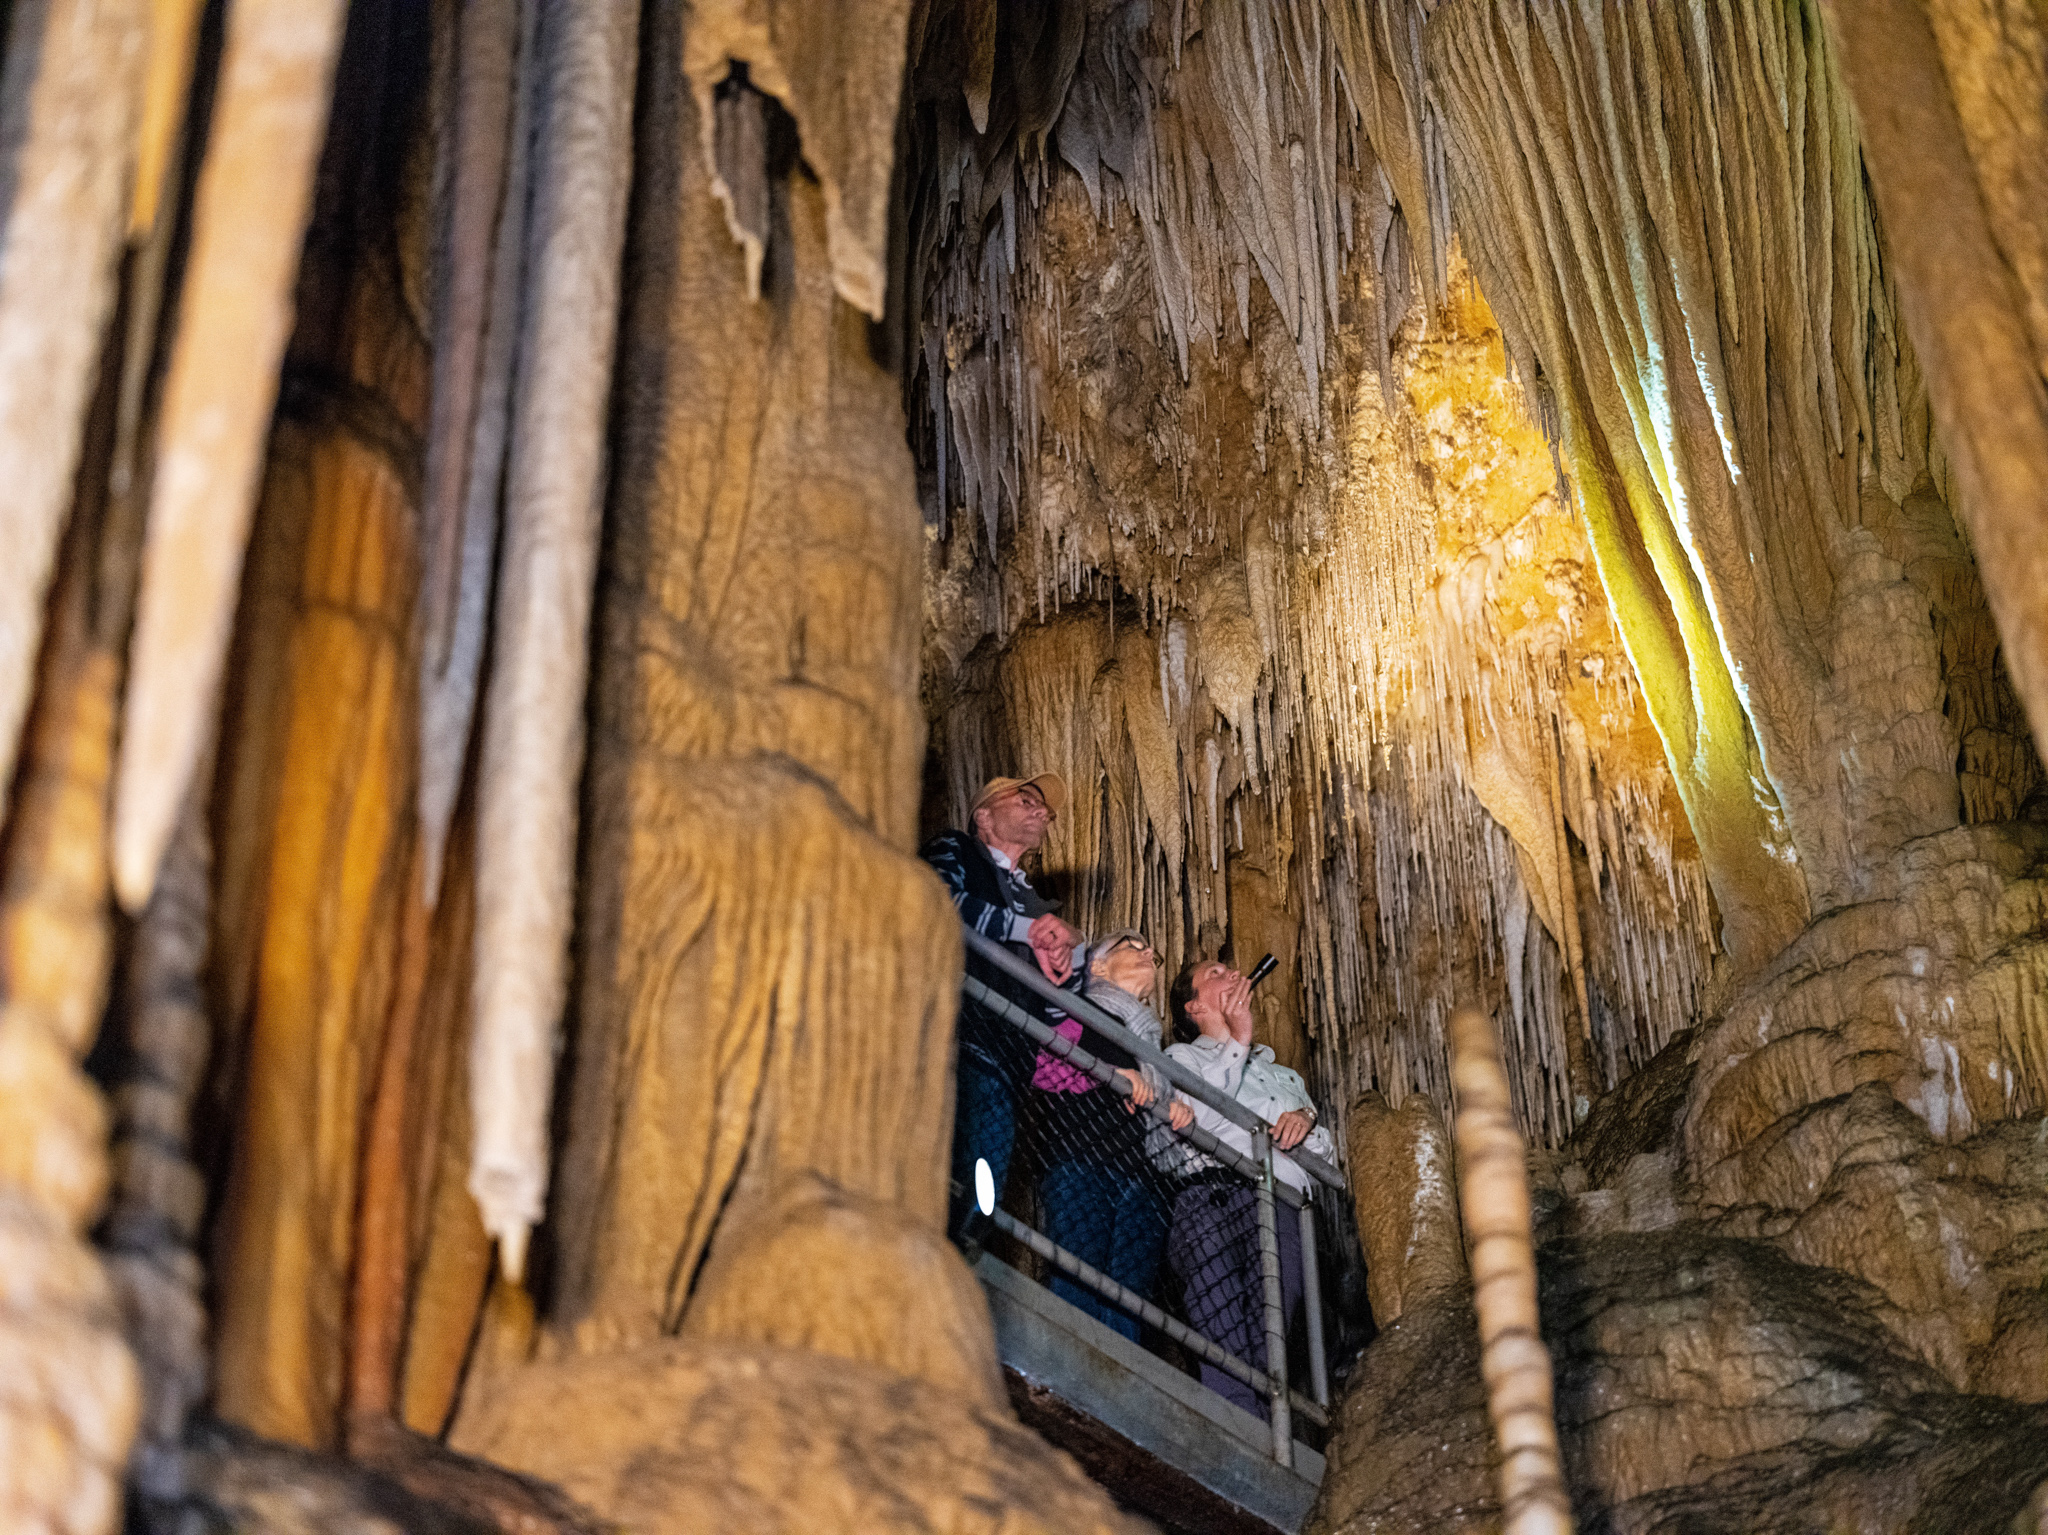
column 984, row 1186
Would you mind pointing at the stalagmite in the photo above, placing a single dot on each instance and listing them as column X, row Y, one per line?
column 234, row 318
column 70, row 97
column 533, row 726
column 1493, row 1196
column 1406, row 1202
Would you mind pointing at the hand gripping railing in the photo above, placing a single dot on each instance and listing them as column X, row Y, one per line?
column 1257, row 1169
column 1085, row 1012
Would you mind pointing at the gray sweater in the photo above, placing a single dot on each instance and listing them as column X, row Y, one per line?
column 1137, row 1016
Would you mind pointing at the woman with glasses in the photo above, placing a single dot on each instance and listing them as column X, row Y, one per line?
column 1104, row 1201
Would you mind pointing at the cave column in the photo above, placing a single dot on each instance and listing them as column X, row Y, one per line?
column 762, row 1074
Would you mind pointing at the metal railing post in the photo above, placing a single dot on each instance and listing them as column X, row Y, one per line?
column 1312, row 1301
column 1276, row 1315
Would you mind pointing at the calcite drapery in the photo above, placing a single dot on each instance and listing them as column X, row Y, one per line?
column 1632, row 227
column 324, row 966
column 833, row 66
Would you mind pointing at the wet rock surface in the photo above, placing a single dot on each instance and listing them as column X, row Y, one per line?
column 1705, row 1386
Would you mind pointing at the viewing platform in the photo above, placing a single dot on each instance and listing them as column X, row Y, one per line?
column 1158, row 1440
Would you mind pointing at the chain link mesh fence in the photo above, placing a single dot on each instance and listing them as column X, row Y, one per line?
column 1114, row 1211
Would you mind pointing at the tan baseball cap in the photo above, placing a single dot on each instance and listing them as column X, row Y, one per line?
column 1051, row 785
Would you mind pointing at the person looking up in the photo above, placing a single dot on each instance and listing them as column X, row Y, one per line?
column 982, row 870
column 1104, row 1201
column 1213, row 1240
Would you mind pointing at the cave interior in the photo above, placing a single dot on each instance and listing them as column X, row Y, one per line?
column 527, row 514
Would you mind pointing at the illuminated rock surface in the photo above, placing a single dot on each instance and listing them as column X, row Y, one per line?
column 1532, row 507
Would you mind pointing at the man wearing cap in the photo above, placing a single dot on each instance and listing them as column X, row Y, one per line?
column 982, row 869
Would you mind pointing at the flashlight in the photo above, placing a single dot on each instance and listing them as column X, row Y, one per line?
column 1261, row 970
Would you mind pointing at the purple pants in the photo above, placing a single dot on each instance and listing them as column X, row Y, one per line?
column 1213, row 1245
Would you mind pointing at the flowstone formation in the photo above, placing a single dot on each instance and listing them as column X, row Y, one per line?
column 1701, row 1386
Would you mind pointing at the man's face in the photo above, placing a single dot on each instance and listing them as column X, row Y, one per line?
column 1017, row 817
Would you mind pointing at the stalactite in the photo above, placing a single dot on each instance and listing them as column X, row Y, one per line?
column 478, row 144
column 69, row 100
column 533, row 727
column 173, row 41
column 1718, row 413
column 1246, row 156
column 477, row 322
column 1379, row 650
column 234, row 318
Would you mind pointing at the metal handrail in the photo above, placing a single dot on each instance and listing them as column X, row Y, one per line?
column 1283, row 1401
column 1085, row 1012
column 1046, row 1037
column 1149, row 1313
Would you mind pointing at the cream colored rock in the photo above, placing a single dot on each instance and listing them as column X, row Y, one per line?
column 1701, row 1384
column 73, row 91
column 678, row 1436
column 889, row 1291
column 1403, row 1184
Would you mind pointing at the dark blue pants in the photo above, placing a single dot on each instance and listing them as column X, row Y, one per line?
column 984, row 1129
column 1214, row 1248
column 1111, row 1219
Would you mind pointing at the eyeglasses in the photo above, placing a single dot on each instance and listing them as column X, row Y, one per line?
column 1030, row 794
column 1139, row 944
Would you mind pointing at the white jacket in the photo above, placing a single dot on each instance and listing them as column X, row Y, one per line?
column 1261, row 1084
